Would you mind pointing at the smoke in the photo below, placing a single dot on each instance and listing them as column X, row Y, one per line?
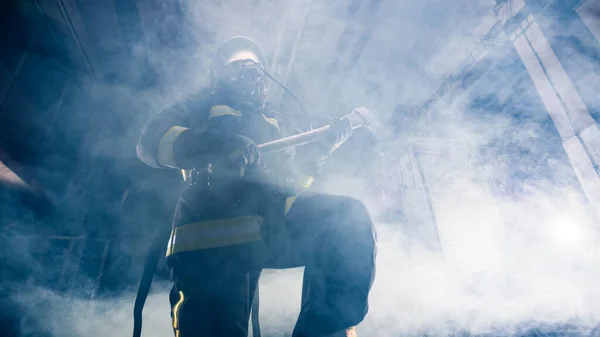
column 517, row 240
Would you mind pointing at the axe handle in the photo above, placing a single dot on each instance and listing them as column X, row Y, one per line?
column 293, row 141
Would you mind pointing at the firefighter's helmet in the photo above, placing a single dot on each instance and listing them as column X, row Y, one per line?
column 235, row 49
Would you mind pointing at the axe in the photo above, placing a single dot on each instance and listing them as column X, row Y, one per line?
column 359, row 117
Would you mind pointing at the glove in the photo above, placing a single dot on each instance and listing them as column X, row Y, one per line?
column 341, row 130
column 236, row 154
column 227, row 155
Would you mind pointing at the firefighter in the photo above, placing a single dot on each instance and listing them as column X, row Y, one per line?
column 240, row 212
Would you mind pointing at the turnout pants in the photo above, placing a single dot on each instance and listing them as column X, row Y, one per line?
column 331, row 236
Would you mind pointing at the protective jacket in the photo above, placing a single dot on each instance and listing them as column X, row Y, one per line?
column 212, row 213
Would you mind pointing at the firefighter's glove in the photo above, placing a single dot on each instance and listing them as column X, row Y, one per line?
column 312, row 157
column 339, row 132
column 192, row 148
column 225, row 155
column 237, row 154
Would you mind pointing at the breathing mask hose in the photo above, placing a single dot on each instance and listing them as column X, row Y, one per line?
column 289, row 92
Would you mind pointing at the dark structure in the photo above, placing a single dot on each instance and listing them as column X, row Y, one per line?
column 66, row 205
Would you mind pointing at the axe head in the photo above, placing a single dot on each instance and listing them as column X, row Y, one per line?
column 363, row 117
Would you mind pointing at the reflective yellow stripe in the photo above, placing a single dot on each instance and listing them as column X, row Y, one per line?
column 304, row 181
column 289, row 201
column 301, row 180
column 309, row 180
column 271, row 121
column 165, row 146
column 215, row 233
column 170, row 244
column 176, row 313
column 223, row 110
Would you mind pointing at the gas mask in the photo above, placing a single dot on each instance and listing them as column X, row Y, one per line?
column 238, row 72
column 243, row 81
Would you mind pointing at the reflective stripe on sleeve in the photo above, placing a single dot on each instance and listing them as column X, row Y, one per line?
column 223, row 110
column 165, row 146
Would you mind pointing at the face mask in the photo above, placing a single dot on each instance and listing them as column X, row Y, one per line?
column 243, row 80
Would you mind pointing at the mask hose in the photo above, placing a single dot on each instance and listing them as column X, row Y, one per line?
column 289, row 92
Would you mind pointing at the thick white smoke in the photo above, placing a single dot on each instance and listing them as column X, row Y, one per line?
column 526, row 260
